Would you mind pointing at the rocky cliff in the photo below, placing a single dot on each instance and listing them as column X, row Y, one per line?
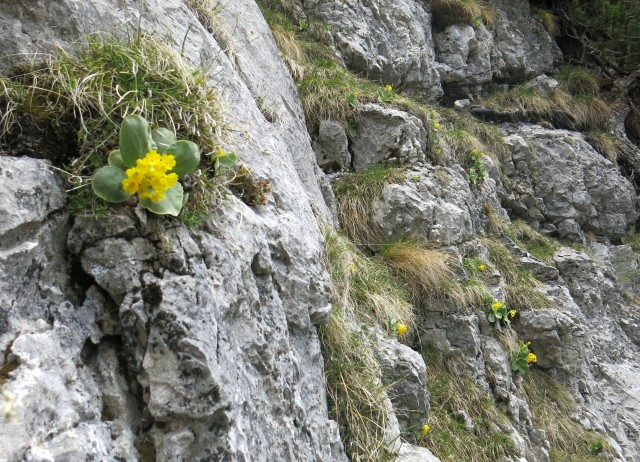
column 130, row 336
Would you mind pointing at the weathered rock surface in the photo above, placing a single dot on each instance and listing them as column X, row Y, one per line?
column 332, row 147
column 387, row 136
column 387, row 41
column 212, row 330
column 405, row 372
column 557, row 176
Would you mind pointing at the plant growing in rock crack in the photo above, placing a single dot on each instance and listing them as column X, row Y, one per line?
column 149, row 164
column 476, row 173
column 522, row 358
column 385, row 95
column 498, row 314
column 251, row 190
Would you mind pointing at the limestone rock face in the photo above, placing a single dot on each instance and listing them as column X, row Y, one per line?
column 557, row 176
column 514, row 47
column 406, row 373
column 387, row 136
column 387, row 41
column 435, row 203
column 139, row 338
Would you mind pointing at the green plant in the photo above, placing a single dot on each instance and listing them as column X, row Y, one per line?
column 385, row 95
column 476, row 173
column 497, row 313
column 595, row 446
column 355, row 195
column 522, row 358
column 85, row 95
column 449, row 438
column 471, row 12
column 578, row 81
column 149, row 164
column 248, row 188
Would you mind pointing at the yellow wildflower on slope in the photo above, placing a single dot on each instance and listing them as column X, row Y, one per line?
column 149, row 178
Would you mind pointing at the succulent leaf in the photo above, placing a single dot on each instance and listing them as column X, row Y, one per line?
column 107, row 184
column 115, row 159
column 163, row 138
column 135, row 139
column 170, row 205
column 187, row 156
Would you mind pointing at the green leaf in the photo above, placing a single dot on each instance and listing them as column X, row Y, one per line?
column 107, row 184
column 134, row 139
column 187, row 157
column 170, row 205
column 227, row 160
column 492, row 317
column 115, row 159
column 163, row 138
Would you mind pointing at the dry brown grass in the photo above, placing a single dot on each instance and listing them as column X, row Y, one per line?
column 605, row 143
column 429, row 273
column 447, row 12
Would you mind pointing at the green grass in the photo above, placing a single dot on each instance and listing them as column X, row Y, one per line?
column 552, row 405
column 88, row 93
column 587, row 111
column 577, row 81
column 448, row 438
column 605, row 143
column 365, row 294
column 356, row 194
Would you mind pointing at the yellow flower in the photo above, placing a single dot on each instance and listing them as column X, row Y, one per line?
column 512, row 313
column 497, row 305
column 482, row 267
column 436, row 125
column 425, row 429
column 482, row 154
column 401, row 329
column 149, row 178
column 389, row 88
column 532, row 358
column 474, row 151
column 528, row 343
column 352, row 267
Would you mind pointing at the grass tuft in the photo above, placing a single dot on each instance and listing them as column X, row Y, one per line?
column 88, row 93
column 471, row 12
column 578, row 81
column 449, row 439
column 365, row 293
column 552, row 406
column 605, row 143
column 428, row 273
column 356, row 194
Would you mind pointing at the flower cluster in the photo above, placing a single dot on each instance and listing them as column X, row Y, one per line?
column 522, row 358
column 398, row 328
column 475, row 168
column 385, row 95
column 149, row 178
column 497, row 312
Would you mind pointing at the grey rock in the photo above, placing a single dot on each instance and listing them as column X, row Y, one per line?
column 435, row 204
column 33, row 269
column 542, row 271
column 466, row 56
column 251, row 285
column 543, row 84
column 387, row 41
column 571, row 185
column 461, row 103
column 406, row 374
column 387, row 135
column 556, row 339
column 331, row 147
column 410, row 453
column 523, row 47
